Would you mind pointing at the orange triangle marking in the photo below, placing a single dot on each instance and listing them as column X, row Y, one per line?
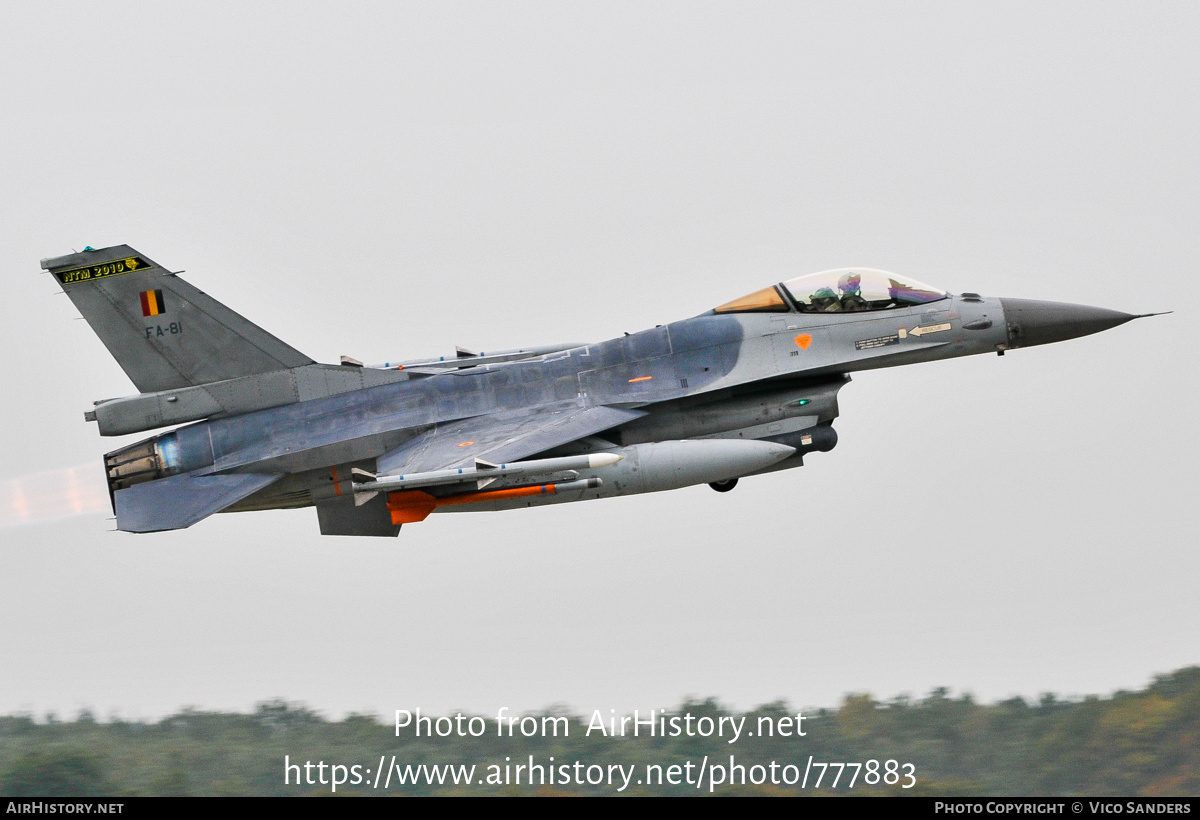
column 804, row 341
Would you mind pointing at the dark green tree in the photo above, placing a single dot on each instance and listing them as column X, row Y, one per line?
column 55, row 773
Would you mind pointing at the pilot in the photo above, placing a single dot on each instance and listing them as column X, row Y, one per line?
column 825, row 301
column 851, row 287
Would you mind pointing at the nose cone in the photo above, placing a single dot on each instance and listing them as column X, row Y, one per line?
column 1032, row 322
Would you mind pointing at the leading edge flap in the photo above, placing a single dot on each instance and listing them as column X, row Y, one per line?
column 501, row 437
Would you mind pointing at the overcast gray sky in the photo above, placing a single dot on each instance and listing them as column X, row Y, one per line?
column 388, row 180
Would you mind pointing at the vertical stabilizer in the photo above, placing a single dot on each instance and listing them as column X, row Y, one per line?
column 164, row 332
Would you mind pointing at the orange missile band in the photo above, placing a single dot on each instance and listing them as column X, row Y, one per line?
column 411, row 506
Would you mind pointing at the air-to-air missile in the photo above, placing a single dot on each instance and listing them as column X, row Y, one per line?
column 746, row 388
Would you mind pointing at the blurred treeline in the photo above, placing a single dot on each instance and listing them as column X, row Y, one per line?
column 1132, row 743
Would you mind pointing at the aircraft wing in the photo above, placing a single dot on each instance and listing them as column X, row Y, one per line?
column 180, row 501
column 501, row 437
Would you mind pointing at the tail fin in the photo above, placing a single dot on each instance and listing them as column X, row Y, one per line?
column 164, row 332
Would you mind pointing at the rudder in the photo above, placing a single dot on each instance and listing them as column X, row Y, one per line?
column 163, row 331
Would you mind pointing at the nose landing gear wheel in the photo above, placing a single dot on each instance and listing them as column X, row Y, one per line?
column 724, row 486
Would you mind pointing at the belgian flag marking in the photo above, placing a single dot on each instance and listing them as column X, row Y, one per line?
column 152, row 303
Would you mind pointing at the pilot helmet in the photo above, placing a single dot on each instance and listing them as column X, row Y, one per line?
column 850, row 283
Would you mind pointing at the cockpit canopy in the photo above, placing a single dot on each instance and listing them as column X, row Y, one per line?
column 838, row 291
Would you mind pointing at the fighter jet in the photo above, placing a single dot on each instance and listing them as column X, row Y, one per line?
column 746, row 388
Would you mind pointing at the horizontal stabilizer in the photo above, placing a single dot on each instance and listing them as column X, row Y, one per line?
column 182, row 500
